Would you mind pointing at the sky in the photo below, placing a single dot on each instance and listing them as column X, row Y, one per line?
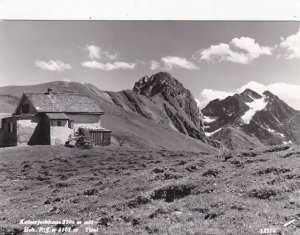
column 213, row 59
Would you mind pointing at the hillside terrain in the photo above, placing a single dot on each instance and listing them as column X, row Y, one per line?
column 129, row 128
column 250, row 119
column 160, row 112
column 162, row 173
column 151, row 191
column 245, row 120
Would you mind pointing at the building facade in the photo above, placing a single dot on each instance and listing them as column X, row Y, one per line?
column 51, row 119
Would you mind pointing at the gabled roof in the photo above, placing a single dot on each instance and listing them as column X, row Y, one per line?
column 62, row 103
column 57, row 116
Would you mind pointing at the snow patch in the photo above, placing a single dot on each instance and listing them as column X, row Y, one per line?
column 275, row 132
column 282, row 135
column 208, row 119
column 271, row 130
column 255, row 106
column 251, row 96
column 287, row 142
column 212, row 133
column 172, row 126
column 276, row 119
column 146, row 79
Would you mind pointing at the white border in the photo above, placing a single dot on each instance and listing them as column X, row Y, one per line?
column 150, row 9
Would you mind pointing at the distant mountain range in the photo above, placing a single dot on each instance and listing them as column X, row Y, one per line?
column 250, row 119
column 159, row 112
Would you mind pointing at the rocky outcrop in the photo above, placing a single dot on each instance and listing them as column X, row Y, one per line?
column 252, row 118
column 179, row 104
column 164, row 100
column 172, row 91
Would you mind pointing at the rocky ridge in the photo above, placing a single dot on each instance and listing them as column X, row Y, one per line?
column 253, row 119
column 164, row 100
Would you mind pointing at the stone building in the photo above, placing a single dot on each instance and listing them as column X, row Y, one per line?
column 51, row 119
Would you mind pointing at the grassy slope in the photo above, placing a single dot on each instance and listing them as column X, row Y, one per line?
column 153, row 191
column 18, row 90
column 136, row 131
column 10, row 95
column 234, row 138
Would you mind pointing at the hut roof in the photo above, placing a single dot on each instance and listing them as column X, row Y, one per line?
column 62, row 103
column 56, row 116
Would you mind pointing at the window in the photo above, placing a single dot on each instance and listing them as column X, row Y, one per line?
column 25, row 108
column 71, row 124
column 10, row 127
column 56, row 123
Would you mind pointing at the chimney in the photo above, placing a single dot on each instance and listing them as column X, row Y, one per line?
column 49, row 91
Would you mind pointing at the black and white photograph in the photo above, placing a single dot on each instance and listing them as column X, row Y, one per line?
column 149, row 127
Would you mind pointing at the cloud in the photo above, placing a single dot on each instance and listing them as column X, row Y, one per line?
column 241, row 50
column 174, row 61
column 291, row 46
column 252, row 85
column 285, row 91
column 288, row 92
column 108, row 66
column 215, row 94
column 198, row 102
column 96, row 52
column 170, row 62
column 66, row 80
column 53, row 65
column 111, row 56
column 154, row 65
column 253, row 49
column 208, row 95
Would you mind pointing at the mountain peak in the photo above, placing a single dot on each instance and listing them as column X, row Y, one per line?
column 256, row 117
column 158, row 83
column 270, row 95
column 248, row 95
column 247, row 90
column 177, row 102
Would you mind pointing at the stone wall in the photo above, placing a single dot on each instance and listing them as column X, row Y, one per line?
column 9, row 132
column 60, row 134
column 3, row 115
column 40, row 130
column 25, row 130
column 41, row 134
column 85, row 120
column 17, row 131
column 1, row 138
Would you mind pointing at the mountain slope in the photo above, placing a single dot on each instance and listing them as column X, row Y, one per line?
column 129, row 128
column 235, row 138
column 10, row 95
column 164, row 100
column 255, row 118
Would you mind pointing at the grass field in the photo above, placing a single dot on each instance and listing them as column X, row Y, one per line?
column 149, row 191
